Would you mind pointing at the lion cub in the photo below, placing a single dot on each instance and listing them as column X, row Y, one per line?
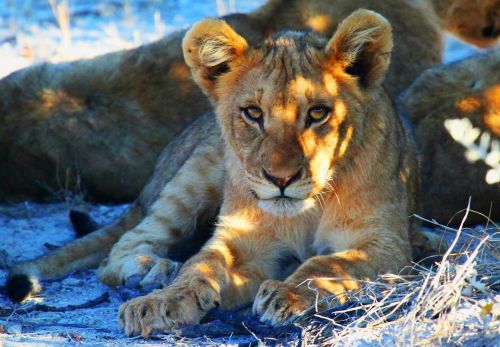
column 319, row 172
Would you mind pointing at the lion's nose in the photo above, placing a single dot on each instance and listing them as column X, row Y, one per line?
column 491, row 32
column 282, row 181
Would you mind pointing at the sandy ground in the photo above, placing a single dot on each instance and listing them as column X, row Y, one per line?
column 82, row 310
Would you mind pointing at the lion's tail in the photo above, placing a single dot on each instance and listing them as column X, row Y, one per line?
column 82, row 223
column 87, row 252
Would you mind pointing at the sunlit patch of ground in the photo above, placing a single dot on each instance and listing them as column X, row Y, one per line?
column 34, row 31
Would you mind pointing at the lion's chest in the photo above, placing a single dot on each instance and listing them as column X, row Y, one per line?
column 333, row 240
column 298, row 238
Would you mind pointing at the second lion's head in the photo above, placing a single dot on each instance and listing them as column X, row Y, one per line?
column 293, row 110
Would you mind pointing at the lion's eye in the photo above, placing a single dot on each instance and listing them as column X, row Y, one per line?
column 252, row 113
column 318, row 114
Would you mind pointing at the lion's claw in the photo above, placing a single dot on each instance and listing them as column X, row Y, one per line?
column 277, row 301
column 163, row 310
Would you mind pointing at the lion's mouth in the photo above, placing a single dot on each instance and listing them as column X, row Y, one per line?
column 282, row 197
column 286, row 198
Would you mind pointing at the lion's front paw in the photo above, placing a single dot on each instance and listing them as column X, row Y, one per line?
column 277, row 301
column 139, row 271
column 165, row 309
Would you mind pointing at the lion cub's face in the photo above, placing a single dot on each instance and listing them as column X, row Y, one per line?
column 291, row 110
column 291, row 120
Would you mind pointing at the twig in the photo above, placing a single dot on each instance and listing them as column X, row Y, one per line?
column 46, row 308
column 26, row 323
column 253, row 334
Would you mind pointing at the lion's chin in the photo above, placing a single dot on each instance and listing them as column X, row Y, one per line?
column 285, row 207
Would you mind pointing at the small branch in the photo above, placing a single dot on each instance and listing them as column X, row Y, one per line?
column 30, row 324
column 46, row 308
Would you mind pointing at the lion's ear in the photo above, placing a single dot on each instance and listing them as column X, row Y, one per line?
column 209, row 47
column 362, row 46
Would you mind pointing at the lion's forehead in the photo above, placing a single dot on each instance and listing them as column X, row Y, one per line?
column 286, row 78
column 285, row 82
column 288, row 69
column 287, row 58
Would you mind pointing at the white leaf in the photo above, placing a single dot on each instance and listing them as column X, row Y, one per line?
column 493, row 176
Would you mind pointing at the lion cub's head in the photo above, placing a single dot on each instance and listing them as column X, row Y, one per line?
column 474, row 21
column 292, row 111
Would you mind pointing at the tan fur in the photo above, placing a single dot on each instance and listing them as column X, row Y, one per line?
column 346, row 215
column 75, row 125
column 467, row 89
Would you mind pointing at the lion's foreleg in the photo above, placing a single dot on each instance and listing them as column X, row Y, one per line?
column 332, row 274
column 226, row 272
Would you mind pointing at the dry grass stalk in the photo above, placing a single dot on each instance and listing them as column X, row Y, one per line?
column 420, row 309
column 222, row 9
column 62, row 14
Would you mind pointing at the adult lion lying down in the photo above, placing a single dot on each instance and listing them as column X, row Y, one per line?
column 319, row 178
column 467, row 90
column 100, row 124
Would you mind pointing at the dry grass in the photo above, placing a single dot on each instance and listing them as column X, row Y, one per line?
column 454, row 303
column 223, row 9
column 61, row 12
